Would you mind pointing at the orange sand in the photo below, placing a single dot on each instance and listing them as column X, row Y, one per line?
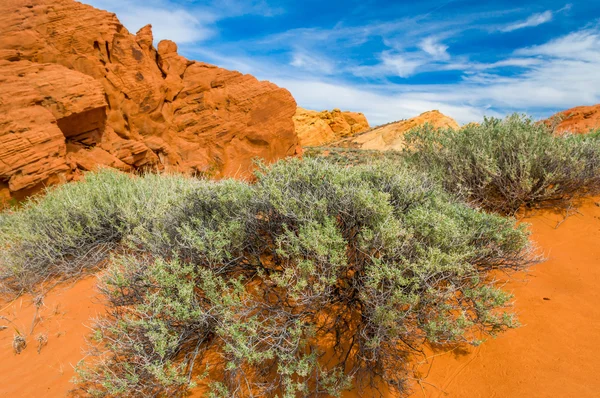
column 65, row 320
column 554, row 353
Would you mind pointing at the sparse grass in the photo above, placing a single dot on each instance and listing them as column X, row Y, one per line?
column 42, row 341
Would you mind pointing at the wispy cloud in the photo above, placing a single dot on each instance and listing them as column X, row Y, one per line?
column 433, row 47
column 536, row 19
column 395, row 33
column 180, row 22
column 583, row 45
column 312, row 63
column 391, row 64
column 533, row 20
column 555, row 75
column 379, row 106
column 168, row 20
column 400, row 65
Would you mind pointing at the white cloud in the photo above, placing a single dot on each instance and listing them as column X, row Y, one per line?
column 377, row 106
column 177, row 25
column 391, row 64
column 168, row 21
column 179, row 22
column 401, row 65
column 519, row 62
column 583, row 45
column 533, row 20
column 311, row 63
column 558, row 74
column 434, row 48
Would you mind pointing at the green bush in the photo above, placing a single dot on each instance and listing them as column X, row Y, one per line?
column 74, row 226
column 313, row 280
column 504, row 165
column 352, row 156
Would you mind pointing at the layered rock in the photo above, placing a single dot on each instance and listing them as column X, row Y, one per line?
column 124, row 103
column 578, row 120
column 42, row 107
column 391, row 136
column 319, row 128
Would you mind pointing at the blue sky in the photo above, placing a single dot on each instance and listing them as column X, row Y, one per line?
column 394, row 59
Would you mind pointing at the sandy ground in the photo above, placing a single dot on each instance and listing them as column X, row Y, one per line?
column 554, row 353
column 64, row 319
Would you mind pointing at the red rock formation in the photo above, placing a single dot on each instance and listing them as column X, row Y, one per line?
column 41, row 108
column 581, row 119
column 320, row 128
column 124, row 103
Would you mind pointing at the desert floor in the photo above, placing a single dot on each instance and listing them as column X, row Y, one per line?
column 554, row 353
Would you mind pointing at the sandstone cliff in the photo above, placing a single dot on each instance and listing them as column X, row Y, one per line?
column 391, row 136
column 319, row 128
column 79, row 90
column 577, row 120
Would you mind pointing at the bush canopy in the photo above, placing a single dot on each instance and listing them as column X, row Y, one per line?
column 504, row 165
column 312, row 280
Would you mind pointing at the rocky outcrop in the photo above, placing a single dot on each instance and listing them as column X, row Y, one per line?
column 319, row 128
column 391, row 136
column 42, row 107
column 578, row 120
column 78, row 90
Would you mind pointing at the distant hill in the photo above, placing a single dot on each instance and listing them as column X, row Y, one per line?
column 391, row 136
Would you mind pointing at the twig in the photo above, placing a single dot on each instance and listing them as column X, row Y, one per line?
column 38, row 301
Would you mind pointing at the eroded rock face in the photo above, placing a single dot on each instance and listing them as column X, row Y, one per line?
column 320, row 128
column 391, row 136
column 578, row 120
column 42, row 107
column 145, row 107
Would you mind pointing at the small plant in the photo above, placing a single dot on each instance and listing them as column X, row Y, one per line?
column 38, row 301
column 42, row 340
column 19, row 343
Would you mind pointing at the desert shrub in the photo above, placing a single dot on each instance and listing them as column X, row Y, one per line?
column 315, row 279
column 503, row 165
column 353, row 156
column 205, row 223
column 74, row 226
